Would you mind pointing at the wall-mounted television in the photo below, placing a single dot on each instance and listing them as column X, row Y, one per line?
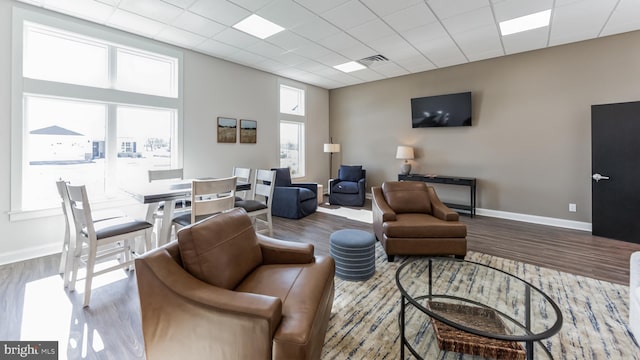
column 441, row 110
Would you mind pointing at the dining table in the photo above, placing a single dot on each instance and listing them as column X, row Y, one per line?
column 168, row 192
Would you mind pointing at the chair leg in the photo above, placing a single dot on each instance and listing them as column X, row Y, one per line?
column 65, row 251
column 75, row 261
column 270, row 223
column 91, row 262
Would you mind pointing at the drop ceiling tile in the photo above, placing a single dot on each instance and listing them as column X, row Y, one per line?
column 180, row 3
column 251, row 5
column 445, row 9
column 579, row 21
column 154, row 9
column 217, row 48
column 357, row 52
column 424, row 33
column 367, row 75
column 412, row 17
column 312, row 51
column 385, row 7
column 510, row 9
column 320, row 6
column 316, row 29
column 442, row 52
column 478, row 43
column 311, row 66
column 332, row 59
column 270, row 65
column 265, row 49
column 390, row 45
column 198, row 24
column 236, row 38
column 220, row 11
column 287, row 40
column 470, row 20
column 339, row 42
column 389, row 69
column 417, row 64
column 286, row 13
column 526, row 41
column 349, row 15
column 371, row 30
column 39, row 2
column 624, row 18
column 246, row 58
column 90, row 10
column 179, row 37
column 134, row 23
column 290, row 58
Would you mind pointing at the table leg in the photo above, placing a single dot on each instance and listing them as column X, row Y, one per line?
column 167, row 217
column 402, row 340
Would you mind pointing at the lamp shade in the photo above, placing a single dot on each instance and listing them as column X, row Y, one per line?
column 404, row 153
column 332, row 148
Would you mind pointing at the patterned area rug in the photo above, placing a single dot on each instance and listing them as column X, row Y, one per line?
column 364, row 319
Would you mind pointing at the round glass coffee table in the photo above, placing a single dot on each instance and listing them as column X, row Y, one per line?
column 452, row 306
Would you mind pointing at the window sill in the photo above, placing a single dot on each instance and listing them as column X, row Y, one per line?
column 22, row 215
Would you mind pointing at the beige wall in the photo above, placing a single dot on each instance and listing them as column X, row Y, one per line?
column 530, row 143
column 212, row 87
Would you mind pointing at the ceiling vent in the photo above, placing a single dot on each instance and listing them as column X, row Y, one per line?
column 368, row 61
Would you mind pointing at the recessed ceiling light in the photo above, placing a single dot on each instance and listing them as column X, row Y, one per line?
column 350, row 67
column 524, row 23
column 258, row 26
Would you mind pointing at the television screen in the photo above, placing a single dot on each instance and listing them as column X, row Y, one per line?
column 441, row 110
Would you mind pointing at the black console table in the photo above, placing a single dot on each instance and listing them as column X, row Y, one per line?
column 450, row 180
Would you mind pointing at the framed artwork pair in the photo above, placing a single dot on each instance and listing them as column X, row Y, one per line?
column 227, row 130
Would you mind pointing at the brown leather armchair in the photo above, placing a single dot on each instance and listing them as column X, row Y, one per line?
column 410, row 219
column 224, row 292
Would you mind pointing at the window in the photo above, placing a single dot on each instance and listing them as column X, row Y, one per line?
column 98, row 109
column 292, row 120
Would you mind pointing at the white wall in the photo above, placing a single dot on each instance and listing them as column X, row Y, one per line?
column 212, row 88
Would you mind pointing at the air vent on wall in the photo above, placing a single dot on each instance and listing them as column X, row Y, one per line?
column 368, row 61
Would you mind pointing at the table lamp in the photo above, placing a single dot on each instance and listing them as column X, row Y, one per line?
column 405, row 153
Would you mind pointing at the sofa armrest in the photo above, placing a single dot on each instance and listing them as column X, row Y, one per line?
column 379, row 206
column 165, row 286
column 439, row 209
column 307, row 185
column 284, row 252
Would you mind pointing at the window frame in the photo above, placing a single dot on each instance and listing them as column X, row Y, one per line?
column 22, row 86
column 291, row 118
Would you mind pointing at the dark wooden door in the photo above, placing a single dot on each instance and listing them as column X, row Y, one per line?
column 615, row 169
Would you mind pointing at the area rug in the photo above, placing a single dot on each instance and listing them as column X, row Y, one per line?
column 364, row 319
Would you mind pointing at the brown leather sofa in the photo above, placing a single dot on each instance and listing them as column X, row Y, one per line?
column 224, row 292
column 410, row 219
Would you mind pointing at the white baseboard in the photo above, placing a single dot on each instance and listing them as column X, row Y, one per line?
column 29, row 253
column 543, row 220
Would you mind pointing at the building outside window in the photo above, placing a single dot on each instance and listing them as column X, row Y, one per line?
column 292, row 132
column 94, row 111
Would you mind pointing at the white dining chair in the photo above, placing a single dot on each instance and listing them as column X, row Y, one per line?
column 258, row 207
column 181, row 205
column 98, row 241
column 208, row 197
column 244, row 176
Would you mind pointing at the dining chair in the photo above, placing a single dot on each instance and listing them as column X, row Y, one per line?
column 98, row 241
column 243, row 175
column 261, row 198
column 181, row 205
column 66, row 255
column 208, row 197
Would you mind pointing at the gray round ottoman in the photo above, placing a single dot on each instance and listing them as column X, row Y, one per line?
column 354, row 252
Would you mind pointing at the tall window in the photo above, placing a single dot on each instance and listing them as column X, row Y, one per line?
column 94, row 111
column 292, row 120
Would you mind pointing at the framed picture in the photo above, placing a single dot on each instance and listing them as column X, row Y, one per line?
column 227, row 130
column 248, row 131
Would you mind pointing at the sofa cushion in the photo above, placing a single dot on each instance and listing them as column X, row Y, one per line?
column 350, row 172
column 305, row 290
column 346, row 187
column 283, row 176
column 306, row 194
column 221, row 250
column 407, row 196
column 423, row 226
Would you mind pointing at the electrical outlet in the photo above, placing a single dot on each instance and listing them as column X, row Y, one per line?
column 572, row 207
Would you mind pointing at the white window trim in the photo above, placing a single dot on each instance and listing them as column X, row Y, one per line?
column 294, row 118
column 22, row 85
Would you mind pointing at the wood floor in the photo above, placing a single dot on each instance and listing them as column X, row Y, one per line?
column 34, row 305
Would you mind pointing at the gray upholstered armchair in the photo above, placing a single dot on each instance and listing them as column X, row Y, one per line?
column 349, row 188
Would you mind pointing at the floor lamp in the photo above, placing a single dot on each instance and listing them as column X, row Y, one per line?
column 331, row 148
